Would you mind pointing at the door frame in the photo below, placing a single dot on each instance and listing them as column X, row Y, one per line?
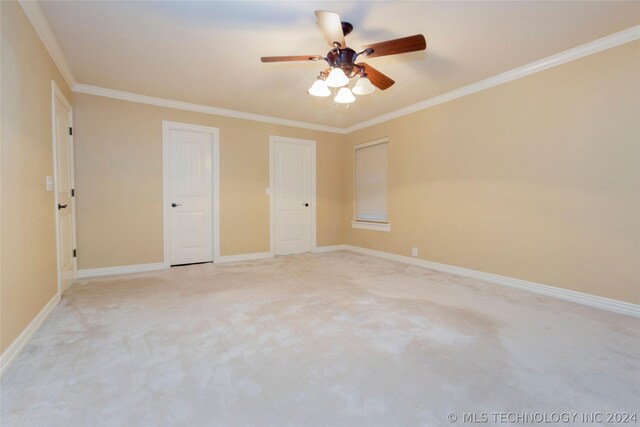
column 273, row 139
column 215, row 185
column 56, row 93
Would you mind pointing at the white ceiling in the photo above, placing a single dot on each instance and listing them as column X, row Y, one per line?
column 209, row 52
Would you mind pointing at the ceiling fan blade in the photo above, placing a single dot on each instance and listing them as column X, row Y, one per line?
column 378, row 79
column 291, row 58
column 393, row 47
column 331, row 26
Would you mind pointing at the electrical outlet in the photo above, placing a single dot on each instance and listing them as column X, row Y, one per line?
column 414, row 251
column 266, row 191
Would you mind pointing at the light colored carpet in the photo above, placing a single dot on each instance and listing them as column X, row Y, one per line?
column 315, row 339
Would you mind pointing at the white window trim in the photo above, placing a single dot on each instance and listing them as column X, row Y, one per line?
column 370, row 143
column 367, row 225
column 376, row 226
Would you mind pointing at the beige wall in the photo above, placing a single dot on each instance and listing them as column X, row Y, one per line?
column 537, row 179
column 28, row 243
column 119, row 181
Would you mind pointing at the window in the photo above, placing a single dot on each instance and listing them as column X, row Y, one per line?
column 371, row 211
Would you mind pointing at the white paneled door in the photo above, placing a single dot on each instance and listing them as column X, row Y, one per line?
column 189, row 194
column 293, row 195
column 64, row 189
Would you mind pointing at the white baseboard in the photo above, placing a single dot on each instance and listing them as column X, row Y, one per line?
column 243, row 257
column 125, row 269
column 10, row 354
column 564, row 294
column 603, row 303
column 321, row 249
column 142, row 268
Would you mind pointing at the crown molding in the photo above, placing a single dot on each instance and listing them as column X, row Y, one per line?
column 199, row 108
column 40, row 24
column 613, row 40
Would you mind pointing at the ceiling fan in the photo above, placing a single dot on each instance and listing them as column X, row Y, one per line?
column 342, row 60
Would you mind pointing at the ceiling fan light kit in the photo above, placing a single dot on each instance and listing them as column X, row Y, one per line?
column 342, row 60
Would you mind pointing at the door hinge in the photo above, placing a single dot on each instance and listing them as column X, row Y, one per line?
column 70, row 131
column 73, row 192
column 75, row 253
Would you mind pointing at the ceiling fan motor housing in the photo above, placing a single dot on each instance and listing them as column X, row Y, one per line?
column 343, row 59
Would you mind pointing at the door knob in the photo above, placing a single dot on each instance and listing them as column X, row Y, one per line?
column 61, row 206
column 173, row 205
column 306, row 205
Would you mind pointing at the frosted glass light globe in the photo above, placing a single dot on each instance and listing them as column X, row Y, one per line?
column 363, row 86
column 319, row 88
column 337, row 78
column 344, row 96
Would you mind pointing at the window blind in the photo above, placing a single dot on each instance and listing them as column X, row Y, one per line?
column 371, row 183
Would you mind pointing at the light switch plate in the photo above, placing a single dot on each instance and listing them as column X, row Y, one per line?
column 266, row 191
column 49, row 183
